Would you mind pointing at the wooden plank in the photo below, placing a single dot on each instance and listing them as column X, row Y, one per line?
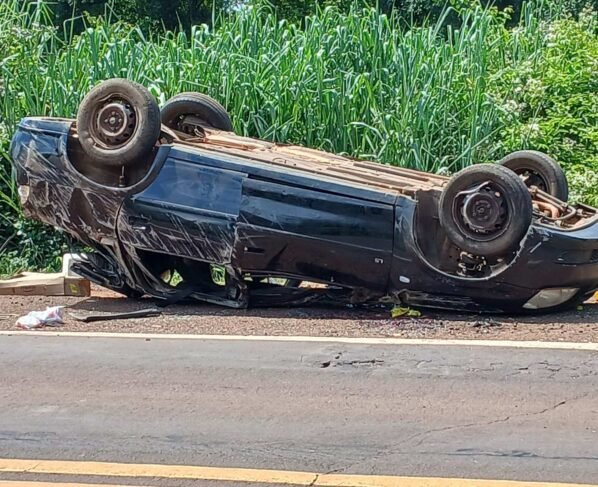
column 38, row 284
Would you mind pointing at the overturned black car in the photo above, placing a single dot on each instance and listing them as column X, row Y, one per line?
column 177, row 206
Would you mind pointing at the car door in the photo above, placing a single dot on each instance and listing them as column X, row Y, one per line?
column 315, row 233
column 189, row 210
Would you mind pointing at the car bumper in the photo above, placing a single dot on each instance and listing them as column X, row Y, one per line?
column 560, row 264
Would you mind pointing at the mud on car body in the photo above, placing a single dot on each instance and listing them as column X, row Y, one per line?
column 169, row 198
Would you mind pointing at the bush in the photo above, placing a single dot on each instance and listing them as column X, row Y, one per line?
column 552, row 99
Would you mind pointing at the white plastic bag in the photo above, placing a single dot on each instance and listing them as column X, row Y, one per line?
column 38, row 319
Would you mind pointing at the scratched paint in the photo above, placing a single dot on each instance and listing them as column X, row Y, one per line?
column 360, row 230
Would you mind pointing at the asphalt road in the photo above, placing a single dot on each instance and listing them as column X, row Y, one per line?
column 433, row 411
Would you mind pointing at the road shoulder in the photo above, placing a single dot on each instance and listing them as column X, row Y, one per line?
column 579, row 325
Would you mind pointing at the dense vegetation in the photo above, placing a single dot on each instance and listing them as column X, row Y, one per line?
column 147, row 14
column 435, row 97
column 172, row 14
column 417, row 11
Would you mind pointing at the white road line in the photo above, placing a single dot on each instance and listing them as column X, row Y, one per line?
column 591, row 347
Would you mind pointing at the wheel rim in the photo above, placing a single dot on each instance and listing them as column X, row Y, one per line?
column 532, row 178
column 115, row 123
column 482, row 213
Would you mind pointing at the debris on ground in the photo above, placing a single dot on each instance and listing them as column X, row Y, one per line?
column 196, row 319
column 486, row 323
column 52, row 316
column 404, row 312
column 42, row 284
column 142, row 313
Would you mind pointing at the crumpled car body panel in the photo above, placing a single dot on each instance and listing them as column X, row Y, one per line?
column 260, row 210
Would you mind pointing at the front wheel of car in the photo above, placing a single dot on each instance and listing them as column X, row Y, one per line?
column 118, row 123
column 540, row 170
column 180, row 112
column 486, row 210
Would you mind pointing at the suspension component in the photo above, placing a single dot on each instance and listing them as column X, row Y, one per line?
column 471, row 265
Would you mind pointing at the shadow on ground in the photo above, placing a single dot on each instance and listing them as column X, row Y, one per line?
column 586, row 313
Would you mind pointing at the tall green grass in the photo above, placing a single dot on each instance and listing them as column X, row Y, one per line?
column 431, row 98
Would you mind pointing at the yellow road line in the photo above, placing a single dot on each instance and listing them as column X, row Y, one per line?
column 248, row 475
column 14, row 483
column 388, row 481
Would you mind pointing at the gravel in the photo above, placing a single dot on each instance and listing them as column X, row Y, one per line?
column 579, row 325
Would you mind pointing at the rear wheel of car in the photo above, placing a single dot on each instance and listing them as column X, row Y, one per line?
column 118, row 123
column 538, row 169
column 486, row 210
column 177, row 112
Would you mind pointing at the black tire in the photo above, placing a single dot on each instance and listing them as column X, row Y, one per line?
column 118, row 123
column 539, row 170
column 198, row 104
column 493, row 218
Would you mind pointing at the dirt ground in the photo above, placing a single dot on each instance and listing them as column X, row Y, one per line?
column 579, row 325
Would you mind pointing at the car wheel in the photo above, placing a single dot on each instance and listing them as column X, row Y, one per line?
column 118, row 123
column 486, row 210
column 205, row 108
column 538, row 169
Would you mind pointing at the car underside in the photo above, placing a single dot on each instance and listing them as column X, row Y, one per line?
column 182, row 208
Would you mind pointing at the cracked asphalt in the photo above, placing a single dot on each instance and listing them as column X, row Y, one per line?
column 430, row 411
